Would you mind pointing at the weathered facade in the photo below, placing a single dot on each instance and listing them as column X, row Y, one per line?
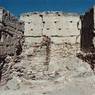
column 11, row 33
column 60, row 27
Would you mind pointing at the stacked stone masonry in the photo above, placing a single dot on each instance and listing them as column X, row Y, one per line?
column 11, row 33
column 60, row 27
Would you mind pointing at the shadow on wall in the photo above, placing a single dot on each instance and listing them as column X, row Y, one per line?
column 89, row 58
column 87, row 39
column 87, row 31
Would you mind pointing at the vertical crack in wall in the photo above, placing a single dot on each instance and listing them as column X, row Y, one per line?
column 47, row 56
column 46, row 42
column 42, row 23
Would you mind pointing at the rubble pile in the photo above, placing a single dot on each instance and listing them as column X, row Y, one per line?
column 11, row 41
column 30, row 64
column 11, row 34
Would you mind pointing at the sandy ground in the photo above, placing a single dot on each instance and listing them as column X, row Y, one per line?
column 74, row 86
column 71, row 77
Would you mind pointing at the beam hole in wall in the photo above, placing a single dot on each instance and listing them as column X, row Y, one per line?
column 59, row 15
column 29, row 22
column 71, row 21
column 31, row 29
column 48, row 29
column 27, row 15
column 59, row 28
column 43, row 21
column 55, row 21
column 41, row 15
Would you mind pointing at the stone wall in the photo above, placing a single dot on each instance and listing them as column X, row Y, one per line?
column 11, row 31
column 60, row 27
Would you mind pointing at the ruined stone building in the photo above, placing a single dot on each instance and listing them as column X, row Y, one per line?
column 63, row 29
column 11, row 31
column 50, row 38
column 60, row 27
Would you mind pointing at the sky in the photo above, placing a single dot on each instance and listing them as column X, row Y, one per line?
column 21, row 6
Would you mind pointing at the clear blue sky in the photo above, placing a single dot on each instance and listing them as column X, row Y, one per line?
column 20, row 6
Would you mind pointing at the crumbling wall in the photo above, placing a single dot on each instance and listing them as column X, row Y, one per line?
column 11, row 32
column 11, row 40
column 87, row 31
column 44, row 62
column 37, row 60
column 63, row 31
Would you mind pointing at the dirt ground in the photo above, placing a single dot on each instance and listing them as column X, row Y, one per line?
column 70, row 76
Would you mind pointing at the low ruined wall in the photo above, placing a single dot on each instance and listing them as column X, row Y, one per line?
column 49, row 61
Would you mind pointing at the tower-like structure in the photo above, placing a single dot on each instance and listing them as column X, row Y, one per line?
column 60, row 27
